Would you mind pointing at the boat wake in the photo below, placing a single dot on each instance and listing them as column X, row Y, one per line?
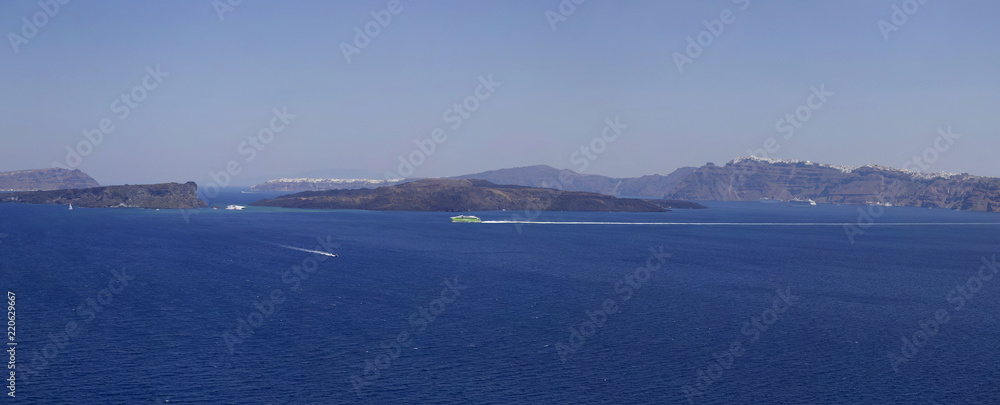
column 319, row 252
column 751, row 223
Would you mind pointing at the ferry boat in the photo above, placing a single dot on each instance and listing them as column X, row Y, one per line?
column 236, row 207
column 802, row 203
column 466, row 218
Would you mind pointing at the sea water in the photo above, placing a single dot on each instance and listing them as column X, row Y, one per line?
column 832, row 304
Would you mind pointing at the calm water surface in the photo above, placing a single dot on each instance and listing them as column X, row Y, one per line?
column 225, row 308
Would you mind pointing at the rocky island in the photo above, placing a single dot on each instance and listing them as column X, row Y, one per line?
column 753, row 178
column 166, row 195
column 460, row 195
column 45, row 179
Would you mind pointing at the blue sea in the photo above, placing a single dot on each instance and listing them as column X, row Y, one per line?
column 739, row 303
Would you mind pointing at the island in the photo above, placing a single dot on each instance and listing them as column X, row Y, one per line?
column 754, row 178
column 450, row 195
column 166, row 195
column 648, row 186
column 45, row 179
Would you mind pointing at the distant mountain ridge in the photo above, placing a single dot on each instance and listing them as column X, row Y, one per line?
column 45, row 179
column 650, row 186
column 308, row 184
column 753, row 178
column 542, row 176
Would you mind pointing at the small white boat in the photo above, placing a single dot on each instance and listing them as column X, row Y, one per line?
column 802, row 203
column 236, row 207
column 71, row 207
column 878, row 204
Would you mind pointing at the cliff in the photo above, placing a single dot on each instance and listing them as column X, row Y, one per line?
column 307, row 184
column 750, row 179
column 743, row 179
column 541, row 176
column 459, row 195
column 45, row 179
column 167, row 195
column 546, row 176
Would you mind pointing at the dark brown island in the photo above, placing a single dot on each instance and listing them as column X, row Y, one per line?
column 463, row 195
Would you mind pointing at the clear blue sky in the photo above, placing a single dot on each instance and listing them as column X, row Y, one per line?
column 608, row 58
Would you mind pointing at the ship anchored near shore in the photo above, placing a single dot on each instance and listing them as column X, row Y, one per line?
column 802, row 203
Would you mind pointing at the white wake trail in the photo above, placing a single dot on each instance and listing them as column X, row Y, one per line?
column 750, row 223
column 319, row 252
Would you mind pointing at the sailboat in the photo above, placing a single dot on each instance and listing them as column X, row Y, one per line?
column 71, row 206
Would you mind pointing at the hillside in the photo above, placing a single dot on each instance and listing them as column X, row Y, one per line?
column 459, row 195
column 309, row 184
column 45, row 179
column 546, row 176
column 167, row 195
column 750, row 179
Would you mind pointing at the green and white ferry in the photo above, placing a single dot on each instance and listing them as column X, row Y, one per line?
column 466, row 218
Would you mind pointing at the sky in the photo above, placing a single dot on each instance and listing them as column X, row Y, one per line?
column 236, row 92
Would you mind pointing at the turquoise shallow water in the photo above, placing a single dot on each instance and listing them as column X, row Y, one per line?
column 416, row 309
